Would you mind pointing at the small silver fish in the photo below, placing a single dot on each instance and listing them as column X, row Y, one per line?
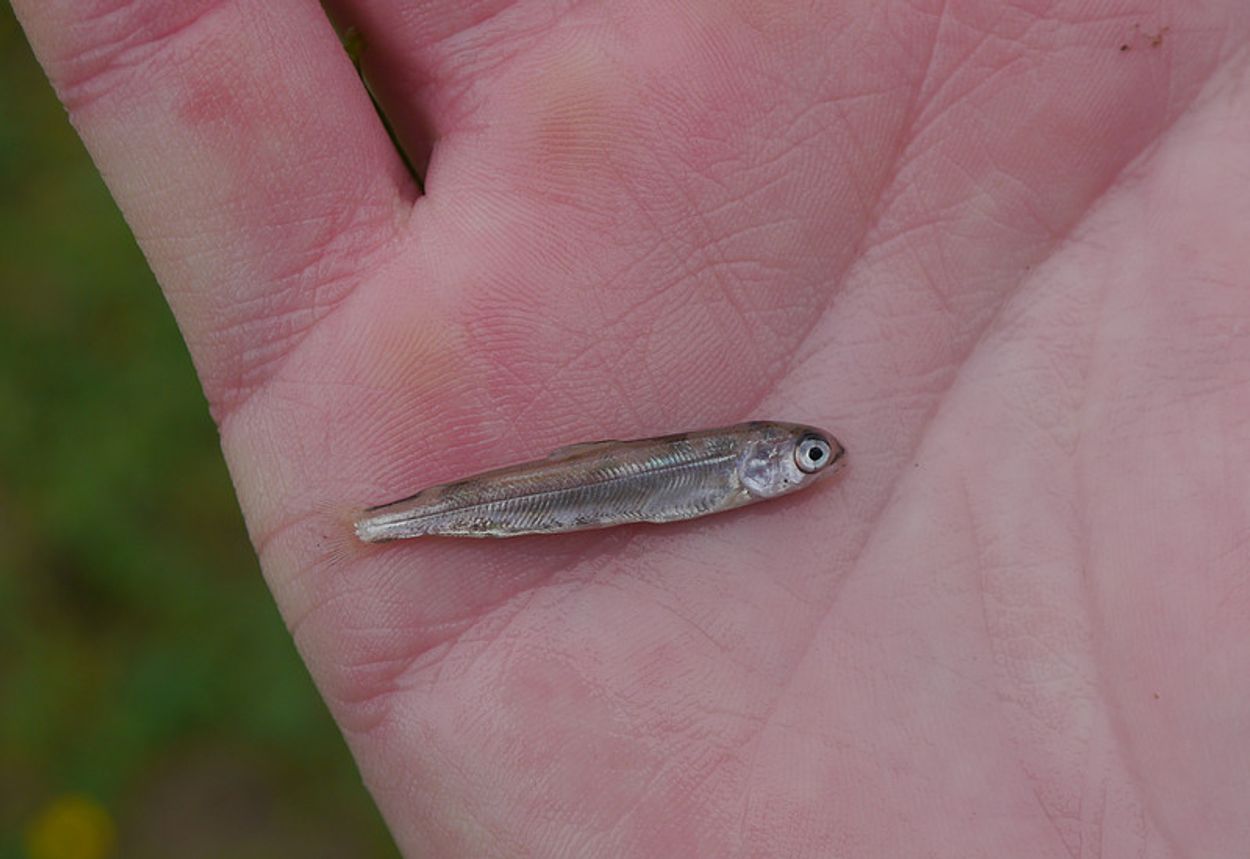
column 599, row 484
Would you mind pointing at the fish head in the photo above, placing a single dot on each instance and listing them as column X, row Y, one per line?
column 781, row 457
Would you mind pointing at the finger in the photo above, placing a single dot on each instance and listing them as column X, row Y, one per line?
column 249, row 161
column 429, row 63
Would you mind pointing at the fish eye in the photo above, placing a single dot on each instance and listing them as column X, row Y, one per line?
column 812, row 454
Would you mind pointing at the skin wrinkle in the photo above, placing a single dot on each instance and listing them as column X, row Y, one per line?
column 91, row 71
column 662, row 773
column 1115, row 719
column 784, row 365
column 252, row 377
column 1021, row 702
column 415, row 662
column 372, row 712
column 489, row 15
column 707, row 771
column 921, row 120
column 1054, row 821
column 889, row 177
column 719, row 264
column 756, row 740
column 979, row 553
column 721, row 650
column 1035, row 261
column 863, row 150
column 1095, row 818
column 1119, row 729
column 625, row 316
column 511, row 606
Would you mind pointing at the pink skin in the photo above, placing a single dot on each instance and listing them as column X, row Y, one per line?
column 1001, row 256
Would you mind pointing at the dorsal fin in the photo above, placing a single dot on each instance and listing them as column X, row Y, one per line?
column 571, row 450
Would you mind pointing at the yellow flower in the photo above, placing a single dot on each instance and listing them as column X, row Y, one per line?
column 72, row 826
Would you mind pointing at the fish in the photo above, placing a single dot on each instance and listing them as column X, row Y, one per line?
column 602, row 484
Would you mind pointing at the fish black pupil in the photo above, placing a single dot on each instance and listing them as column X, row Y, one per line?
column 815, row 454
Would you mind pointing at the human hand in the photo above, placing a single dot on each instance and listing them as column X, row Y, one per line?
column 998, row 249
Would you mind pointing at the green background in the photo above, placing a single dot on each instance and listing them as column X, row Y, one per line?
column 142, row 661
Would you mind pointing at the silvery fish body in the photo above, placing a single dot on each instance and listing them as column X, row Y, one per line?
column 605, row 483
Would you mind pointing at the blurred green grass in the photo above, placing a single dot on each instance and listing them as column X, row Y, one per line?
column 142, row 662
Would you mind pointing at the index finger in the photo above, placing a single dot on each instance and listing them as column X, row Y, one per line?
column 245, row 154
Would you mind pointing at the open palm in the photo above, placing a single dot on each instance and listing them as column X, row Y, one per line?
column 1000, row 249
